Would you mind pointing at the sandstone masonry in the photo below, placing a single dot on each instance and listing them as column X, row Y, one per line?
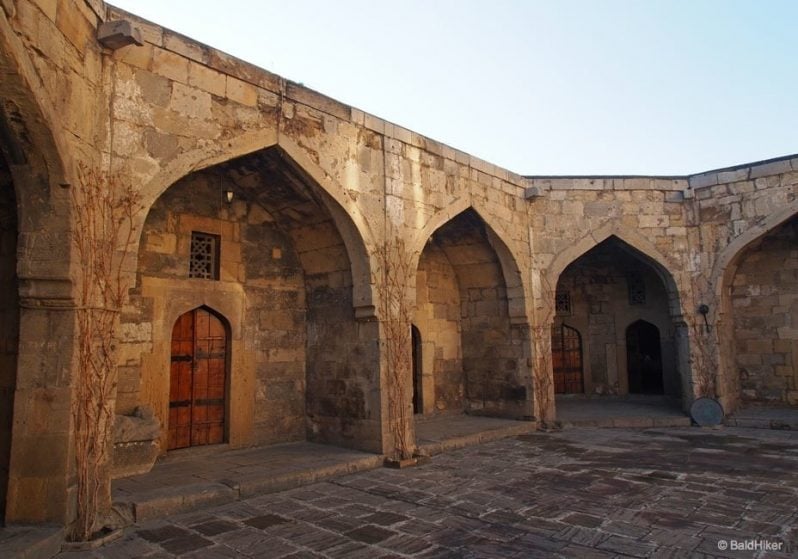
column 293, row 269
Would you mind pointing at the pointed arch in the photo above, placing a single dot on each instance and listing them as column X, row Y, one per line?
column 215, row 307
column 352, row 226
column 726, row 263
column 37, row 164
column 736, row 377
column 517, row 294
column 641, row 247
column 476, row 308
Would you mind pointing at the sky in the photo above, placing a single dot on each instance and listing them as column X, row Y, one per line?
column 563, row 87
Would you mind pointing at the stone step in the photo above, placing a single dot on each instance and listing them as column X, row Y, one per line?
column 447, row 444
column 779, row 424
column 158, row 503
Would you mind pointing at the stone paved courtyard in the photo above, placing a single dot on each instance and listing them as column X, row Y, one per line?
column 577, row 493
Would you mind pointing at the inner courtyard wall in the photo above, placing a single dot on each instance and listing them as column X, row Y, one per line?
column 159, row 112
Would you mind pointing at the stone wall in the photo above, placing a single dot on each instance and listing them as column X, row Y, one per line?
column 437, row 318
column 764, row 297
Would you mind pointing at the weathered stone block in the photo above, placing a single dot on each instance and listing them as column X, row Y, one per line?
column 241, row 92
column 190, row 101
column 207, row 79
column 169, row 65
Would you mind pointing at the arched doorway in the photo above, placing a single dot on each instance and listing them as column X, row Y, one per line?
column 418, row 402
column 198, row 380
column 644, row 358
column 566, row 353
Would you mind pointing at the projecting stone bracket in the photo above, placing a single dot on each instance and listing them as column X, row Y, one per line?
column 533, row 192
column 117, row 34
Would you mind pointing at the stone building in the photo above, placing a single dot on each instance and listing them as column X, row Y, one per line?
column 255, row 317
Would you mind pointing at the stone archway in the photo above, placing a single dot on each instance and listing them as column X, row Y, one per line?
column 351, row 224
column 476, row 354
column 304, row 367
column 607, row 287
column 732, row 373
column 761, row 319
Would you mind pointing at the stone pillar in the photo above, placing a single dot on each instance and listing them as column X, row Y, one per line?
column 40, row 476
column 681, row 340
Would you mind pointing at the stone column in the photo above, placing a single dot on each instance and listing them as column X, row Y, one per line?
column 40, row 476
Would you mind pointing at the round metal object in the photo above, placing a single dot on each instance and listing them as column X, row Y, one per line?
column 707, row 412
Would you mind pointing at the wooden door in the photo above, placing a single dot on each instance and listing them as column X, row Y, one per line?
column 566, row 353
column 198, row 380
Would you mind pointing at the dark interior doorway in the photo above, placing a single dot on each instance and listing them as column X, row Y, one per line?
column 566, row 353
column 9, row 324
column 644, row 358
column 418, row 403
column 198, row 380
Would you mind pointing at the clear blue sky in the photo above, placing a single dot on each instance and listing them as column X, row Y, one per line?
column 554, row 87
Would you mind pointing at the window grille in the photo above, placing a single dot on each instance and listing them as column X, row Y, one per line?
column 204, row 258
column 637, row 289
column 562, row 303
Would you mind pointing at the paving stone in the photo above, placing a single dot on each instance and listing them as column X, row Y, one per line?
column 627, row 546
column 370, row 534
column 576, row 493
column 184, row 544
column 583, row 552
column 215, row 552
column 351, row 550
column 406, row 544
column 164, row 533
column 384, row 518
column 318, row 540
column 303, row 555
column 215, row 527
column 265, row 521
